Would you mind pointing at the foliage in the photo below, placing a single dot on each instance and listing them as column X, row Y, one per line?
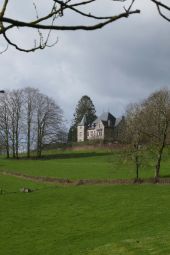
column 72, row 134
column 85, row 107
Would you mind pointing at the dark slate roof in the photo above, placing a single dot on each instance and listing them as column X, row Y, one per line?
column 104, row 118
column 83, row 121
column 118, row 120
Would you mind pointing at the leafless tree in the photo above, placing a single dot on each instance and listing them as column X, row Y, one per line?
column 28, row 121
column 4, row 124
column 15, row 104
column 133, row 135
column 156, row 123
column 49, row 119
column 30, row 97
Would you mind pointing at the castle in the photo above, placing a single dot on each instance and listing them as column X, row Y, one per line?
column 105, row 128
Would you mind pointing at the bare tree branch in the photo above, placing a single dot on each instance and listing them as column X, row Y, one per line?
column 160, row 6
column 18, row 23
column 6, row 48
column 4, row 8
column 48, row 21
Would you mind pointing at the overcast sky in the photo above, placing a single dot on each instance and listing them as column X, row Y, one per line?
column 118, row 65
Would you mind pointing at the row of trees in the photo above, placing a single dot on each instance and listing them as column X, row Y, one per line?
column 148, row 128
column 28, row 121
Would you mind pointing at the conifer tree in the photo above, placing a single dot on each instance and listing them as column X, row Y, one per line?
column 85, row 107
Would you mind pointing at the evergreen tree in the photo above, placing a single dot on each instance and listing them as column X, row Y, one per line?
column 72, row 134
column 86, row 107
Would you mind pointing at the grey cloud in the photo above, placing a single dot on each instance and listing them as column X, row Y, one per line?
column 120, row 64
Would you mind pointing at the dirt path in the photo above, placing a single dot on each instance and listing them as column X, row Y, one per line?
column 63, row 181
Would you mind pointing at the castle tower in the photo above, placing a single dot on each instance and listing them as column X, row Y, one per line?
column 81, row 130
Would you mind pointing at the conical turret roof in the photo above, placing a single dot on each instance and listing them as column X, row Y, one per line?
column 83, row 121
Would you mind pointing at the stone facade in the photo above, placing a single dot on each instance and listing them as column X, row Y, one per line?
column 101, row 129
column 82, row 130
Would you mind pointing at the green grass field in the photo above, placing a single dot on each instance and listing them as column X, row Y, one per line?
column 84, row 165
column 87, row 220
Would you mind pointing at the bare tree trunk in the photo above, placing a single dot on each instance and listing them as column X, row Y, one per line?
column 7, row 142
column 13, row 140
column 30, row 99
column 16, row 143
column 28, row 140
column 159, row 159
column 17, row 135
column 160, row 152
column 137, row 160
column 137, row 167
column 29, row 120
column 6, row 131
column 7, row 151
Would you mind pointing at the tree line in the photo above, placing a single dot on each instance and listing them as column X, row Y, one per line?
column 145, row 129
column 28, row 120
column 148, row 128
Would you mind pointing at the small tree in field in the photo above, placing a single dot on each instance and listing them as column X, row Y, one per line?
column 134, row 136
column 156, row 123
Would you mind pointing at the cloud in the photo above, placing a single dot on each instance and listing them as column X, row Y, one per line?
column 122, row 63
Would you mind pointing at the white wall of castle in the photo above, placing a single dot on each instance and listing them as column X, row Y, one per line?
column 97, row 132
column 81, row 134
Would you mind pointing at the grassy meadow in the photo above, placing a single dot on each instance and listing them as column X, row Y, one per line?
column 87, row 219
column 99, row 164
